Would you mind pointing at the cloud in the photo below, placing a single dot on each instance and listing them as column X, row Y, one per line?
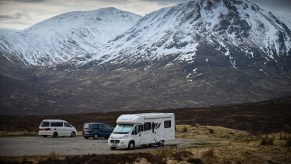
column 165, row 2
column 31, row 1
column 17, row 15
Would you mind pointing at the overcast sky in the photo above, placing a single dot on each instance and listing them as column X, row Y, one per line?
column 20, row 14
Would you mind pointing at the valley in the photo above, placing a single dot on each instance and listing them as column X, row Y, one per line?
column 246, row 133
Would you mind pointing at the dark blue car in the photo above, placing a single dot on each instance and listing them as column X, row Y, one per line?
column 96, row 129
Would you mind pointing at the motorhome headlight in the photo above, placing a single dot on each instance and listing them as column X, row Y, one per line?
column 125, row 136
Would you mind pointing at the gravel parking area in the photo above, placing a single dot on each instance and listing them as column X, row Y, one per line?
column 30, row 146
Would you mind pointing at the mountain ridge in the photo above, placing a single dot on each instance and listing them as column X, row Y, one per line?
column 62, row 37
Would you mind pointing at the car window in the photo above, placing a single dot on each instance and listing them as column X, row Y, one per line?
column 57, row 124
column 102, row 126
column 95, row 126
column 86, row 126
column 44, row 124
column 107, row 126
column 67, row 124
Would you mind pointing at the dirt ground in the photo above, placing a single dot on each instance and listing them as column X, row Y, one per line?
column 33, row 146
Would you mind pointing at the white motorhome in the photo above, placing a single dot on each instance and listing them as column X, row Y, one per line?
column 142, row 129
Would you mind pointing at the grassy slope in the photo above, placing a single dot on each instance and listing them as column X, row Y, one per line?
column 263, row 117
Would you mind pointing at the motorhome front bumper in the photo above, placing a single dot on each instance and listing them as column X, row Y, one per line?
column 118, row 143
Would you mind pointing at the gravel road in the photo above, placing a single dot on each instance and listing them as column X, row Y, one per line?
column 29, row 146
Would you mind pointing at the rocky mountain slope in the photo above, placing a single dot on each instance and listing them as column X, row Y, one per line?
column 60, row 38
column 197, row 53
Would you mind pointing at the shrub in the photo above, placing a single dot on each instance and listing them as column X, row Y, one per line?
column 182, row 155
column 267, row 141
column 208, row 154
column 288, row 143
column 195, row 161
column 185, row 129
column 165, row 153
column 54, row 156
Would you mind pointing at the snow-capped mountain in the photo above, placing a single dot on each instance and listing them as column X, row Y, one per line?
column 60, row 38
column 197, row 53
column 233, row 28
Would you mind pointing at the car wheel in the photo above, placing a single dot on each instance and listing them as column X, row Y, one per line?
column 131, row 145
column 112, row 148
column 95, row 136
column 73, row 134
column 86, row 137
column 55, row 134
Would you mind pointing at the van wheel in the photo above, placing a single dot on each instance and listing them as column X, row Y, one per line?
column 112, row 148
column 95, row 136
column 131, row 145
column 73, row 134
column 55, row 134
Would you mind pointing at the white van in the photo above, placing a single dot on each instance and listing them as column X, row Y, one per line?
column 142, row 129
column 56, row 128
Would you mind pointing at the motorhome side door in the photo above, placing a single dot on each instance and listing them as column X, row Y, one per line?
column 147, row 135
column 136, row 134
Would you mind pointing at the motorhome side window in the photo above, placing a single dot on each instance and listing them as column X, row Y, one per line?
column 147, row 126
column 57, row 124
column 137, row 129
column 167, row 124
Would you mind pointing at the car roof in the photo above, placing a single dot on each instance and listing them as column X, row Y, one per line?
column 54, row 120
column 94, row 123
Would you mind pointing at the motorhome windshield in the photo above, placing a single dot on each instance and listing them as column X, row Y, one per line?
column 122, row 128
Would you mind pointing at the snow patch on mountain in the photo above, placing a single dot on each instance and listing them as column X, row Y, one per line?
column 65, row 36
column 229, row 26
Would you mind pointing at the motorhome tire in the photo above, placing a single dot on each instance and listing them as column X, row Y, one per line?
column 95, row 136
column 161, row 143
column 55, row 134
column 131, row 145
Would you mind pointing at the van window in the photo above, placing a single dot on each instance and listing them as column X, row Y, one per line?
column 107, row 126
column 45, row 124
column 86, row 126
column 96, row 126
column 67, row 124
column 167, row 124
column 57, row 124
column 147, row 126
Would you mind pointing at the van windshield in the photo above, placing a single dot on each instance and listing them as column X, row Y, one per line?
column 122, row 128
column 44, row 124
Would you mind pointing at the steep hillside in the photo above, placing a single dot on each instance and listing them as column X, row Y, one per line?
column 68, row 35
